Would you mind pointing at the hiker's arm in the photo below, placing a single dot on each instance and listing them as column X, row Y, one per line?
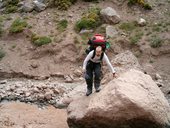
column 88, row 57
column 105, row 58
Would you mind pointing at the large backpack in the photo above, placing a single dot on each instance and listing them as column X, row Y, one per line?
column 97, row 40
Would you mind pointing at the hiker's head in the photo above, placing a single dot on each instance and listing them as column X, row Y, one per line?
column 98, row 51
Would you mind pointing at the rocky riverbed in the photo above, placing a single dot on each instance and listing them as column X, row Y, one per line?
column 37, row 92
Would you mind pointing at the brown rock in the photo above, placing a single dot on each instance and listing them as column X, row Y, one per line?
column 132, row 100
column 68, row 79
column 57, row 74
column 77, row 73
column 48, row 95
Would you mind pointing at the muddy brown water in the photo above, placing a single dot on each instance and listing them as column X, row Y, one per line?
column 22, row 115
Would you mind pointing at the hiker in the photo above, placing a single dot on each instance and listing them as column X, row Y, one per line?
column 97, row 40
column 92, row 64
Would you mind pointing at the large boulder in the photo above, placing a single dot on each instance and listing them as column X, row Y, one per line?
column 121, row 62
column 110, row 15
column 125, row 61
column 131, row 101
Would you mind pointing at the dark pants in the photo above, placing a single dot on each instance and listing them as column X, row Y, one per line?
column 93, row 68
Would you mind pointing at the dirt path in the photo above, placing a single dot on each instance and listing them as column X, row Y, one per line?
column 21, row 115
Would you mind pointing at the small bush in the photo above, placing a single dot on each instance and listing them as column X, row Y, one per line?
column 11, row 9
column 1, row 30
column 1, row 26
column 18, row 26
column 11, row 6
column 63, row 4
column 140, row 2
column 85, row 24
column 90, row 19
column 13, row 2
column 134, row 39
column 73, row 1
column 156, row 28
column 1, row 19
column 40, row 40
column 147, row 7
column 62, row 25
column 128, row 26
column 2, row 54
column 90, row 0
column 156, row 42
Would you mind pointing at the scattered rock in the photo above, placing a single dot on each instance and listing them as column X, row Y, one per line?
column 35, row 90
column 39, row 6
column 48, row 95
column 3, row 82
column 110, row 15
column 159, row 83
column 34, row 65
column 68, row 79
column 77, row 73
column 27, row 94
column 57, row 74
column 27, row 6
column 85, row 31
column 41, row 96
column 111, row 31
column 157, row 76
column 1, row 5
column 132, row 100
column 141, row 22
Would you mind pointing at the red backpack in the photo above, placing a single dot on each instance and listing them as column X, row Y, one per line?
column 97, row 40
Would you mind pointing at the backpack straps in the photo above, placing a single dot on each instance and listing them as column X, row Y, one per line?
column 102, row 56
column 94, row 53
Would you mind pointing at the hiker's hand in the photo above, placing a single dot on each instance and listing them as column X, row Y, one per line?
column 114, row 75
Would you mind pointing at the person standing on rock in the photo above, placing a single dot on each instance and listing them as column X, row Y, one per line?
column 92, row 64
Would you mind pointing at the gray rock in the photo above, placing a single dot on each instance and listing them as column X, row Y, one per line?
column 86, row 31
column 2, row 5
column 39, row 6
column 27, row 7
column 110, row 15
column 111, row 31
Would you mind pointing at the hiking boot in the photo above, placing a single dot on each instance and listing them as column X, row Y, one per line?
column 88, row 92
column 98, row 89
